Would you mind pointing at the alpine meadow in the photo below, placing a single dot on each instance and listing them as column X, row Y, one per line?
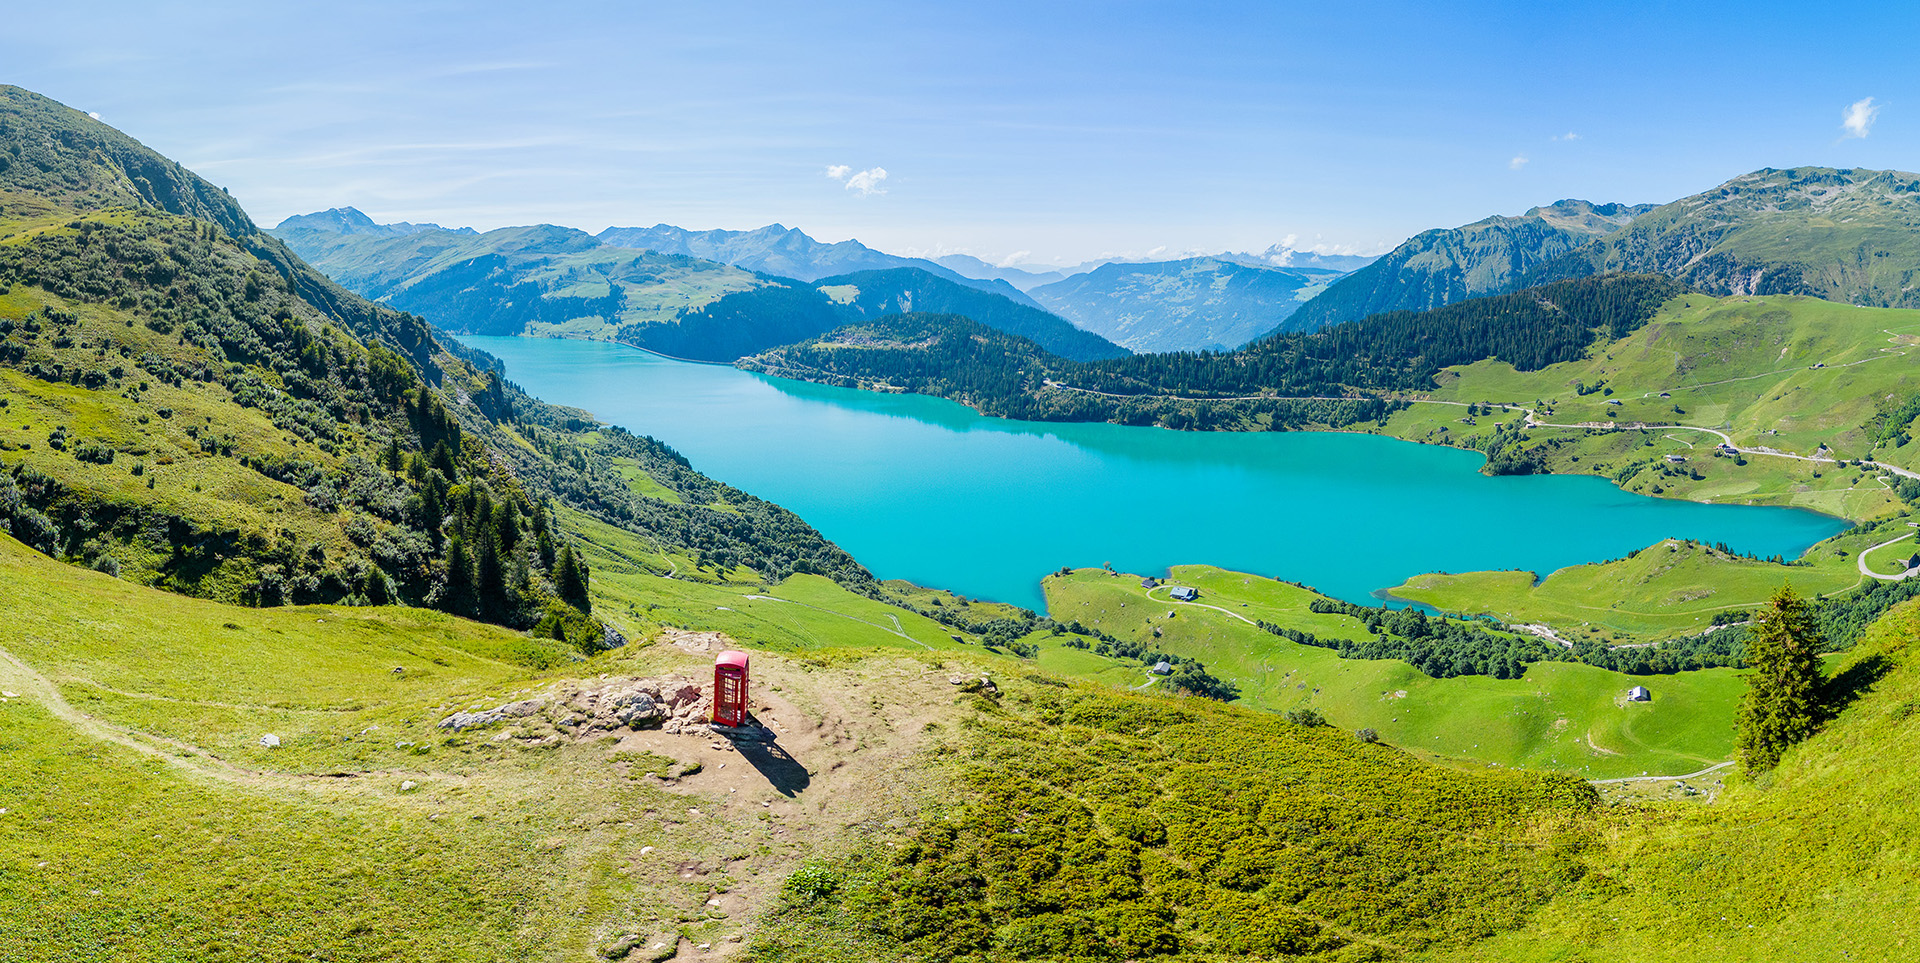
column 973, row 485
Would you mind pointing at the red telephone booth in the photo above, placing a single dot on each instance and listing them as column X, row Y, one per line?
column 730, row 689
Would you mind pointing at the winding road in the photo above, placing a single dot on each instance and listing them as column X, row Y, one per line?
column 1862, row 560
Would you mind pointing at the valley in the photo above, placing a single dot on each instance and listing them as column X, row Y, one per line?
column 364, row 581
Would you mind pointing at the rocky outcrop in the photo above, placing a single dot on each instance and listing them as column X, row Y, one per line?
column 586, row 707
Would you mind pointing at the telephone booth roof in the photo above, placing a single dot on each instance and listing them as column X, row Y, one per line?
column 732, row 658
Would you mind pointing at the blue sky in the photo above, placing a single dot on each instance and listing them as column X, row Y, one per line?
column 1045, row 132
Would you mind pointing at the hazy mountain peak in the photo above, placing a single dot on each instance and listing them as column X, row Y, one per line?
column 350, row 220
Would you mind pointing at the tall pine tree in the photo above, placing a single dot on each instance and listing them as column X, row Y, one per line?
column 570, row 579
column 1783, row 682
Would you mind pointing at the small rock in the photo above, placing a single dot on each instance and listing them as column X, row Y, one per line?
column 621, row 947
column 408, row 785
column 270, row 740
column 645, row 850
column 10, row 695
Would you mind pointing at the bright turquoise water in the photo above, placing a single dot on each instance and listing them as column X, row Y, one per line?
column 928, row 490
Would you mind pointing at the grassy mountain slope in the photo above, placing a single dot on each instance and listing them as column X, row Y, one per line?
column 872, row 294
column 51, row 151
column 1811, row 864
column 144, row 820
column 1446, row 265
column 1841, row 235
column 1190, row 305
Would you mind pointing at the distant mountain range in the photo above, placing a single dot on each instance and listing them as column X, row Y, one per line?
column 560, row 282
column 790, row 253
column 1193, row 304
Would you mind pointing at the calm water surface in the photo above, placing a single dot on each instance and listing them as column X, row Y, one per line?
column 928, row 490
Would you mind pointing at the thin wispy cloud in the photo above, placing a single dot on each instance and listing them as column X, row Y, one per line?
column 867, row 182
column 1517, row 162
column 1857, row 120
column 1017, row 257
column 1569, row 135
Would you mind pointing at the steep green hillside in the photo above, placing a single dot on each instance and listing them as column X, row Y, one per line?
column 1851, row 236
column 872, row 294
column 1191, row 305
column 205, row 413
column 1442, row 266
column 51, row 151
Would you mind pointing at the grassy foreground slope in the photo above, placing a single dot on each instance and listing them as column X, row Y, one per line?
column 1815, row 863
column 142, row 819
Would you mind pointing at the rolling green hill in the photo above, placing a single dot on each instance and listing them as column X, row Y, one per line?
column 1442, row 266
column 1190, row 305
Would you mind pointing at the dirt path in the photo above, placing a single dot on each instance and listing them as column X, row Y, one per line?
column 1692, row 775
column 1200, row 605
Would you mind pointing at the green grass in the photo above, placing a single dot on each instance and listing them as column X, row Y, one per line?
column 1745, row 365
column 1670, row 588
column 1558, row 716
column 1813, row 863
column 205, row 845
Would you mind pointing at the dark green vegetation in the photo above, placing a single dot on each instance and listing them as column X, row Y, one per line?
column 1442, row 266
column 871, row 294
column 1269, row 384
column 1097, row 826
column 1189, row 305
column 1782, row 704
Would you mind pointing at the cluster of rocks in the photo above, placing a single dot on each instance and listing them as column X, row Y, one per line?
column 594, row 706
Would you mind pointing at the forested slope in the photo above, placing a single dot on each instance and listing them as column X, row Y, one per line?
column 1334, row 377
column 193, row 407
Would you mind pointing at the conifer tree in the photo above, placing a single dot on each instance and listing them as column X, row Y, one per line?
column 570, row 579
column 490, row 584
column 1783, row 681
column 459, row 577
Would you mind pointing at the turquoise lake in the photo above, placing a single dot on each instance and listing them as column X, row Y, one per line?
column 928, row 490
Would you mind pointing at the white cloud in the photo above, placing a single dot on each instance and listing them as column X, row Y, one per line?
column 1517, row 162
column 1857, row 120
column 1569, row 135
column 866, row 182
column 93, row 114
column 1016, row 257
